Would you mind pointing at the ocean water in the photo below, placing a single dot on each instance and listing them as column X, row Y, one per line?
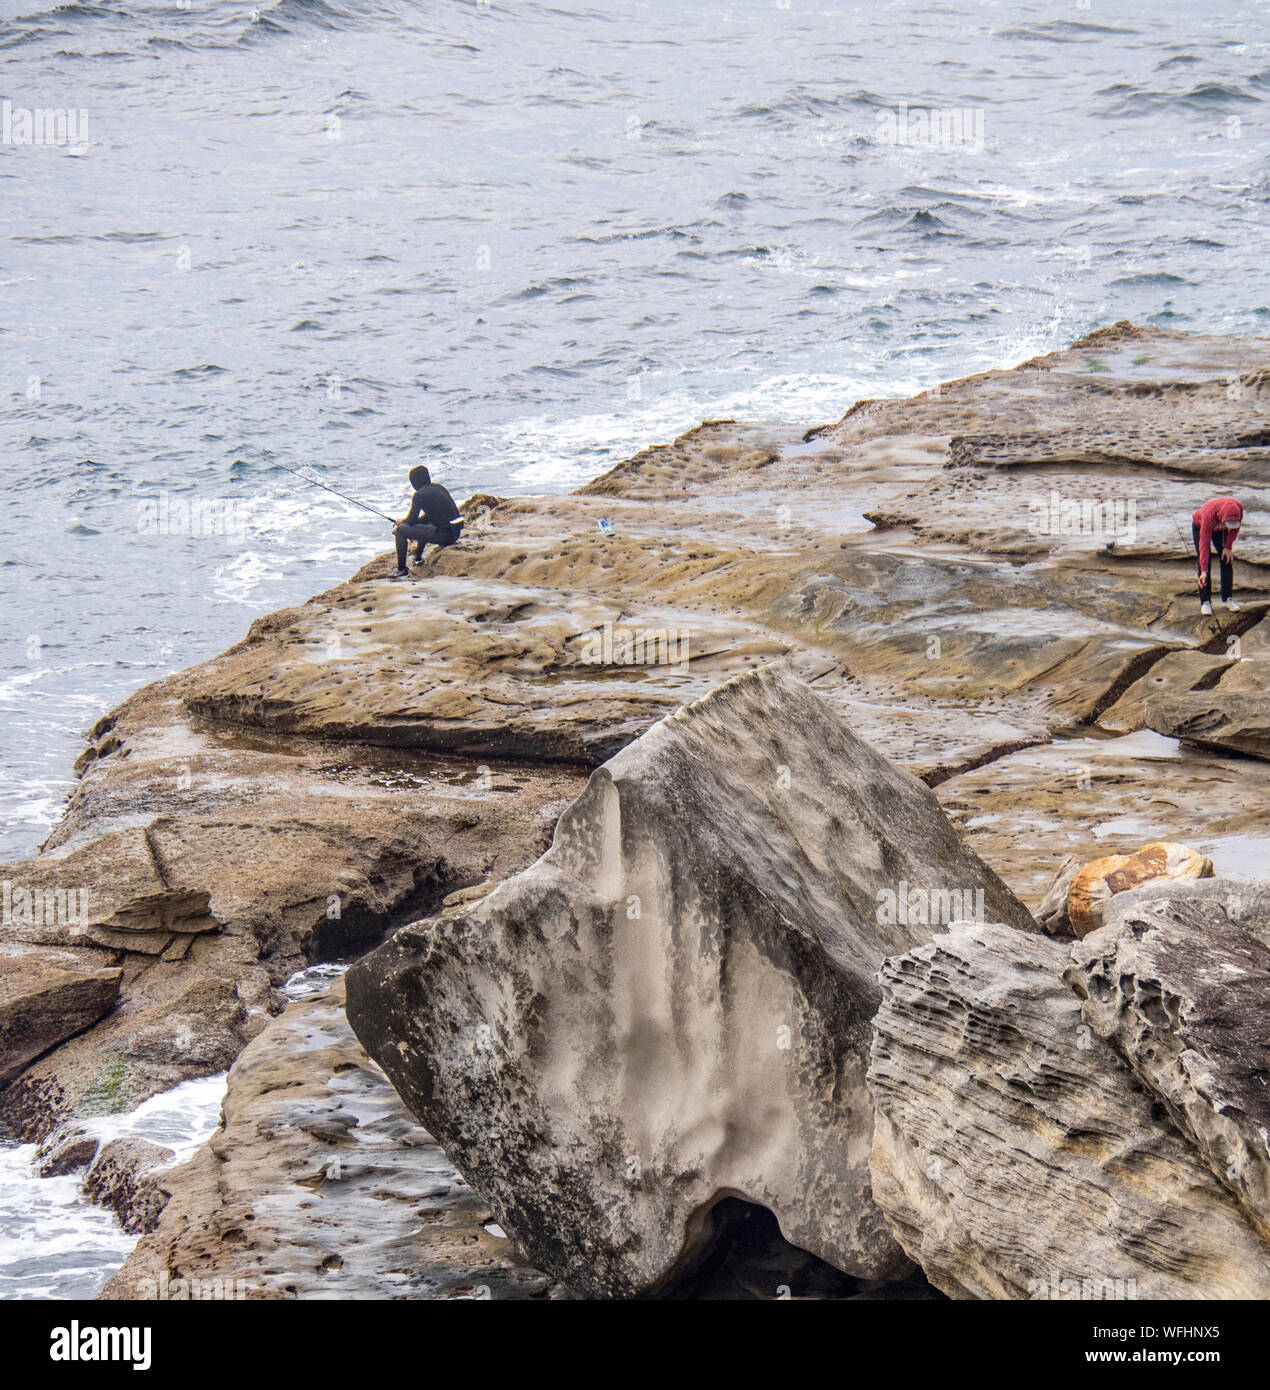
column 521, row 240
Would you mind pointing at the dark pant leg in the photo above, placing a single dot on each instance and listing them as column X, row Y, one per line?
column 440, row 536
column 437, row 535
column 1206, row 589
column 420, row 532
column 1227, row 576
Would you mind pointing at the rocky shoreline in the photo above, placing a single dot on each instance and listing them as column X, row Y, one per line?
column 609, row 823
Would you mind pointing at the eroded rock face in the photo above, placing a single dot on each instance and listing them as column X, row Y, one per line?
column 511, row 670
column 672, row 1006
column 66, row 1150
column 1182, row 990
column 121, row 1177
column 320, row 1184
column 1014, row 1154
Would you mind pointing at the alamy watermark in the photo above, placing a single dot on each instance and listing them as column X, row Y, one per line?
column 638, row 646
column 1083, row 1290
column 43, row 125
column 936, row 127
column 181, row 1290
column 43, row 907
column 908, row 905
column 166, row 515
column 1115, row 518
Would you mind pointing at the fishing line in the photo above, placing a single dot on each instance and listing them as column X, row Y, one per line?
column 317, row 482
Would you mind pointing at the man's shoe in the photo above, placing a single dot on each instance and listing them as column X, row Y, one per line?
column 1206, row 609
column 1230, row 605
column 405, row 574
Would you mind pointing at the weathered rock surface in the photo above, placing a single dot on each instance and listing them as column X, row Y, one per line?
column 121, row 1177
column 43, row 1002
column 1095, row 884
column 1014, row 1154
column 672, row 1006
column 1183, row 992
column 1217, row 718
column 510, row 671
column 320, row 1184
column 1087, row 797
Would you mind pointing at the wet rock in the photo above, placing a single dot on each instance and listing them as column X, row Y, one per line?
column 43, row 1002
column 119, row 1178
column 1088, row 797
column 1095, row 884
column 320, row 1184
column 1217, row 719
column 68, row 1149
column 1014, row 1153
column 672, row 1006
column 1182, row 990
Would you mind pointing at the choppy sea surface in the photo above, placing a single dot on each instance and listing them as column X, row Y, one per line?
column 520, row 241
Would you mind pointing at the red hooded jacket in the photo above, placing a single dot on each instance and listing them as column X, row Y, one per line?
column 1218, row 521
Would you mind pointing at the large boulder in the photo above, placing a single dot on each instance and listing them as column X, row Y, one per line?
column 1181, row 987
column 672, row 1006
column 1015, row 1155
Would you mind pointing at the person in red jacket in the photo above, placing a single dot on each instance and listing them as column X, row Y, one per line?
column 1214, row 528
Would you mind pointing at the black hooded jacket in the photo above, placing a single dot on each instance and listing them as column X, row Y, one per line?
column 433, row 505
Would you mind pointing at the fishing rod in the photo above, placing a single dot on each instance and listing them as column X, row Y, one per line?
column 317, row 482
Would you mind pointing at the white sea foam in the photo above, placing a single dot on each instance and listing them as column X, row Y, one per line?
column 56, row 1244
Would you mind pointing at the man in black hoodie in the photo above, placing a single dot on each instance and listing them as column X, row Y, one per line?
column 433, row 520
